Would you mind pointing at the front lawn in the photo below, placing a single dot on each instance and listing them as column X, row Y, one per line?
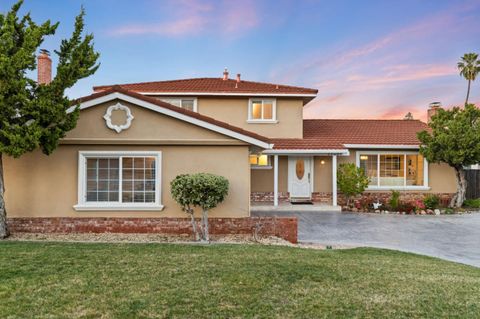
column 91, row 280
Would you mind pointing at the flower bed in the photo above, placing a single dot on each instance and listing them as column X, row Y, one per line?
column 428, row 205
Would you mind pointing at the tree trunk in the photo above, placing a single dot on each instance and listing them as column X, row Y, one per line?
column 3, row 212
column 194, row 225
column 459, row 197
column 206, row 236
column 468, row 93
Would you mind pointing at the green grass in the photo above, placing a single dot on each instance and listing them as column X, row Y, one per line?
column 82, row 280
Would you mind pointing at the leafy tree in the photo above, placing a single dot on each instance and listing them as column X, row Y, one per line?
column 454, row 139
column 351, row 180
column 469, row 67
column 34, row 115
column 201, row 190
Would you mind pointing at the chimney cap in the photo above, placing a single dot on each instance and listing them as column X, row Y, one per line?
column 45, row 52
column 434, row 105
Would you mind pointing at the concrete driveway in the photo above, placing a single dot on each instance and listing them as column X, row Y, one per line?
column 450, row 237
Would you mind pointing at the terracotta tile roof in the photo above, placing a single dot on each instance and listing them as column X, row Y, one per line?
column 333, row 134
column 211, row 85
column 177, row 109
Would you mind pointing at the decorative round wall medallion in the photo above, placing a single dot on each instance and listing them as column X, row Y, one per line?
column 128, row 117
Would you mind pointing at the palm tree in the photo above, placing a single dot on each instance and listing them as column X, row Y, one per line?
column 469, row 67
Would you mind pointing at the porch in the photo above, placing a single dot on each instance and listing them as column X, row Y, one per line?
column 306, row 178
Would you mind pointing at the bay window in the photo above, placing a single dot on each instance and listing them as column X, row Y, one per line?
column 119, row 180
column 394, row 169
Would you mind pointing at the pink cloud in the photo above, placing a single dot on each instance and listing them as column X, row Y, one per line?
column 193, row 17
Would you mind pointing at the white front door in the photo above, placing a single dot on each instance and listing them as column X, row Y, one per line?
column 300, row 176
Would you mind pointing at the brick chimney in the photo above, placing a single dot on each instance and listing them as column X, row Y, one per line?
column 44, row 67
column 238, row 77
column 225, row 74
column 432, row 110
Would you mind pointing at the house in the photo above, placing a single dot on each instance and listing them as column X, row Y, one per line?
column 131, row 140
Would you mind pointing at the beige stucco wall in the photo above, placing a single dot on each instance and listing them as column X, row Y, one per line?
column 262, row 179
column 235, row 111
column 147, row 125
column 46, row 186
column 441, row 176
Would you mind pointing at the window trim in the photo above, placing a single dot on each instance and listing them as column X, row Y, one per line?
column 256, row 166
column 425, row 185
column 195, row 100
column 267, row 121
column 83, row 205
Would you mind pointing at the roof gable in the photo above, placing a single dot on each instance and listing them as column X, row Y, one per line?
column 169, row 110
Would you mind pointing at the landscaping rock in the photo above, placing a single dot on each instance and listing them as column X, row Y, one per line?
column 430, row 212
column 437, row 211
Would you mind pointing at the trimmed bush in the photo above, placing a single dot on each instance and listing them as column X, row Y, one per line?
column 202, row 190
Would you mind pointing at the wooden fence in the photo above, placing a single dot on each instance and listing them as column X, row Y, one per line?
column 473, row 183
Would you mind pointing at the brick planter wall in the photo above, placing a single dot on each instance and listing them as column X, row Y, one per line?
column 283, row 227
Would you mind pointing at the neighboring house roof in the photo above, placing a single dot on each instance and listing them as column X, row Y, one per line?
column 213, row 86
column 341, row 134
column 117, row 92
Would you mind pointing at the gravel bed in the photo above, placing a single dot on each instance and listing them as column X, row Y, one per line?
column 159, row 238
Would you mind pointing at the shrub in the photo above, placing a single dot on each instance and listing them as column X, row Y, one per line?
column 394, row 200
column 431, row 201
column 351, row 180
column 472, row 203
column 199, row 190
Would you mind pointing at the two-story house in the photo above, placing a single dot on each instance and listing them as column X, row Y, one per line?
column 131, row 141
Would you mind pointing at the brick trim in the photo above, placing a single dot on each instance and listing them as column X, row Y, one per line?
column 283, row 227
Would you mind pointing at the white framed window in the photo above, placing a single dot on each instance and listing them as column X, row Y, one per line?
column 111, row 180
column 260, row 161
column 262, row 110
column 188, row 103
column 394, row 170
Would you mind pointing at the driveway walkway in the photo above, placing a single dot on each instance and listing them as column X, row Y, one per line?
column 451, row 237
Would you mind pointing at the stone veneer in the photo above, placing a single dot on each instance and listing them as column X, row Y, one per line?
column 326, row 198
column 283, row 227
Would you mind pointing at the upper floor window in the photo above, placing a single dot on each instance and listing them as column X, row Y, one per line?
column 188, row 103
column 262, row 110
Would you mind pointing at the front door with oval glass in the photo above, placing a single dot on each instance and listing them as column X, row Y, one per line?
column 300, row 176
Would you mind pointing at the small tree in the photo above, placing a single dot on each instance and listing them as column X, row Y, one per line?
column 454, row 139
column 351, row 180
column 199, row 190
column 182, row 190
column 33, row 115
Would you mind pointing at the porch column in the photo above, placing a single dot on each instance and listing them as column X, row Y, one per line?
column 275, row 180
column 334, row 180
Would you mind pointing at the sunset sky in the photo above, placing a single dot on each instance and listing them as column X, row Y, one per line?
column 368, row 59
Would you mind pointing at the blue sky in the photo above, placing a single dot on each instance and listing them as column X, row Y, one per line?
column 369, row 59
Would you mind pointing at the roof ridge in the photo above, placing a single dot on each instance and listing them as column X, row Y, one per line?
column 206, row 78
